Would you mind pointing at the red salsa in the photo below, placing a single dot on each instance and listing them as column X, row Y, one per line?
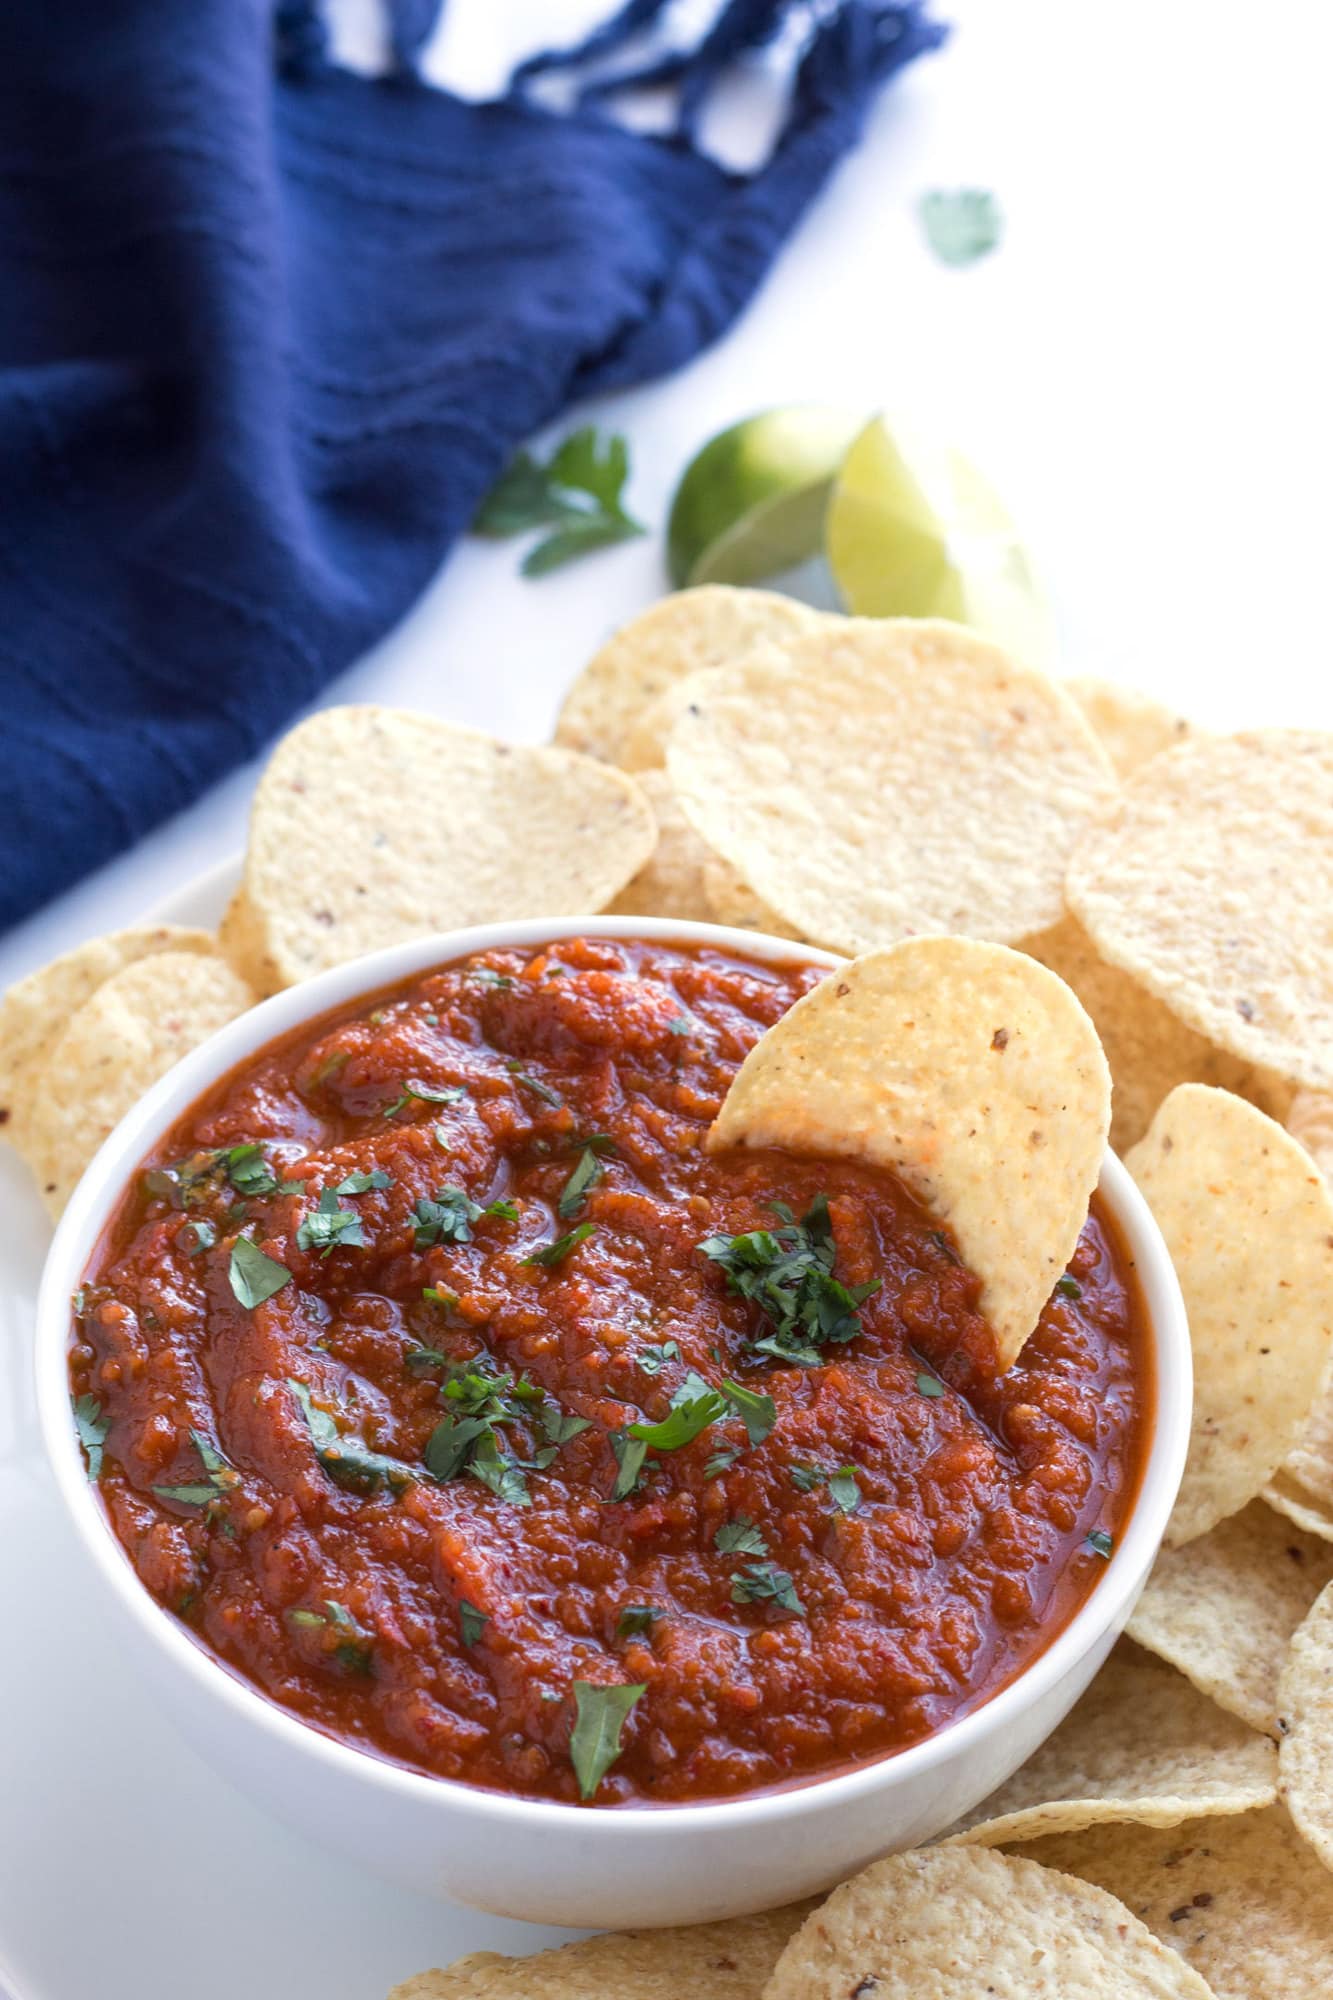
column 448, row 1391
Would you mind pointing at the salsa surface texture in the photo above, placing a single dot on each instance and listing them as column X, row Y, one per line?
column 384, row 1493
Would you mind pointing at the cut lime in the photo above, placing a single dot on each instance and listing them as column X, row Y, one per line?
column 913, row 530
column 751, row 503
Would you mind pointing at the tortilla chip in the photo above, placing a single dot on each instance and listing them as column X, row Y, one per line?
column 730, row 1960
column 1142, row 1744
column 1248, row 1221
column 1243, row 1900
column 35, row 1010
column 372, row 825
column 705, row 627
column 1132, row 726
column 973, row 1074
column 1310, row 1119
column 1149, row 1050
column 241, row 944
column 671, row 881
column 1299, row 1506
column 134, row 1028
column 1203, row 884
column 1305, row 1716
column 954, row 1923
column 1223, row 1610
column 646, row 737
column 734, row 902
column 895, row 776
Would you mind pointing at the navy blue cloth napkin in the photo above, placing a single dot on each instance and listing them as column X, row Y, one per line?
column 269, row 330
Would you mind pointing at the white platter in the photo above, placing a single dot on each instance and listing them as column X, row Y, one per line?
column 126, row 1869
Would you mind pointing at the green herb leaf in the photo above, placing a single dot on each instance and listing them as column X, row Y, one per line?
column 1068, row 1288
column 447, row 1219
column 328, row 1227
column 585, row 1175
column 188, row 1496
column 196, row 1235
column 844, row 1491
column 760, row 1582
column 788, row 1274
column 578, row 491
column 806, row 1477
column 425, row 1093
column 758, row 1413
column 362, row 1183
column 594, row 1741
column 629, row 1453
column 254, row 1276
column 961, row 224
column 551, row 1254
column 695, row 1405
column 722, row 1461
column 486, row 975
column 680, row 1024
column 740, row 1538
column 435, row 1295
column 1101, row 1543
column 496, row 1469
column 349, row 1461
column 92, row 1428
column 522, row 498
column 535, row 1085
column 929, row 1385
column 653, row 1360
column 471, row 1621
column 559, row 1426
column 636, row 1620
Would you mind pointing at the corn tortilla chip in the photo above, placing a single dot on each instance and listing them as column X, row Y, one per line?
column 1132, row 726
column 1310, row 1119
column 34, row 1010
column 704, row 627
column 1223, row 1610
column 1248, row 1221
column 973, row 1074
column 1150, row 1051
column 734, row 902
column 1292, row 1500
column 371, row 825
column 130, row 1032
column 1203, row 883
column 1309, row 1463
column 892, row 777
column 731, row 1961
column 1242, row 1900
column 1305, row 1716
column 241, row 944
column 1142, row 1744
column 671, row 881
column 954, row 1923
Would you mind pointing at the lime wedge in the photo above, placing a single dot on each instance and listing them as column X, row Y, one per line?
column 751, row 503
column 913, row 530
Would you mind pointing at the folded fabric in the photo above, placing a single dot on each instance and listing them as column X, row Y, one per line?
column 269, row 329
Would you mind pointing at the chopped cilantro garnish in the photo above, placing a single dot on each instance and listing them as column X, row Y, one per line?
column 594, row 1742
column 535, row 1085
column 92, row 1428
column 929, row 1385
column 588, row 1171
column 680, row 1024
column 551, row 1254
column 806, row 1477
column 758, row 1413
column 653, row 1360
column 196, row 1235
column 222, row 1477
column 694, row 1406
column 636, row 1620
column 254, row 1276
column 471, row 1621
column 244, row 1167
column 1068, row 1288
column 740, row 1538
column 722, row 1461
column 844, row 1491
column 629, row 1453
column 485, row 975
column 763, row 1581
column 481, row 1400
column 349, row 1461
column 1101, row 1543
column 435, row 1295
column 329, row 1227
column 188, row 1496
column 449, row 1217
column 362, row 1183
column 788, row 1273
column 418, row 1358
column 960, row 224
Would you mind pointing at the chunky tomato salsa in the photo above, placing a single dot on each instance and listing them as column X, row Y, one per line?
column 445, row 1388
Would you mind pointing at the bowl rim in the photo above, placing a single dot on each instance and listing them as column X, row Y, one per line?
column 1105, row 1610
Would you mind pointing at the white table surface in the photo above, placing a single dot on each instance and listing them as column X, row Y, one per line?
column 1143, row 368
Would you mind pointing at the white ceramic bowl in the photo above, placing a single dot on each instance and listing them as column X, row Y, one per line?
column 547, row 1862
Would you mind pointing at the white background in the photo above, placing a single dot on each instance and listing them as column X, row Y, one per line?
column 1142, row 369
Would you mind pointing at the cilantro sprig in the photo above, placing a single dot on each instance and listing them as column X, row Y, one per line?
column 482, row 1401
column 92, row 1428
column 348, row 1460
column 788, row 1274
column 449, row 1217
column 221, row 1477
column 594, row 1741
column 577, row 493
